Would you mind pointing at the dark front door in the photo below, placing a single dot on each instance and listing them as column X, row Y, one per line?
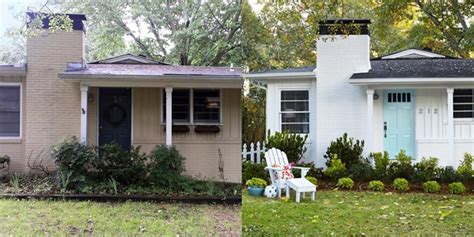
column 115, row 116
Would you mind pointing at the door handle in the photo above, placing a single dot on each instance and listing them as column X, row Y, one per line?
column 385, row 129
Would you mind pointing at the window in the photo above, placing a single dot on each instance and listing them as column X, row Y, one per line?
column 205, row 104
column 399, row 97
column 464, row 103
column 180, row 108
column 10, row 103
column 295, row 111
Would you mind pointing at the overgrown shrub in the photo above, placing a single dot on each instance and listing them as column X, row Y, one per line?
column 431, row 187
column 74, row 160
column 457, row 188
column 256, row 182
column 124, row 166
column 402, row 167
column 376, row 186
column 250, row 170
column 381, row 165
column 313, row 180
column 401, row 185
column 291, row 143
column 346, row 149
column 427, row 169
column 165, row 167
column 345, row 183
column 465, row 169
column 336, row 168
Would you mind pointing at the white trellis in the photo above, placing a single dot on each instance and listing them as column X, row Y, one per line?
column 254, row 152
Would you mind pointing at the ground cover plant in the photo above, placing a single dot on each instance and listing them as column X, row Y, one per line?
column 359, row 213
column 60, row 218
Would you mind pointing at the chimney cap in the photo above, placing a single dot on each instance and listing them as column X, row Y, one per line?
column 344, row 26
column 77, row 19
column 345, row 21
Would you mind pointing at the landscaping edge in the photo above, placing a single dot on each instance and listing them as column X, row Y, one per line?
column 123, row 198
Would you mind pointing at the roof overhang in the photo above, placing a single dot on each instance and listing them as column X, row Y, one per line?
column 422, row 82
column 180, row 81
column 281, row 75
column 12, row 71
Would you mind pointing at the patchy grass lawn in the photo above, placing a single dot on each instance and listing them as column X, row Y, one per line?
column 357, row 213
column 31, row 218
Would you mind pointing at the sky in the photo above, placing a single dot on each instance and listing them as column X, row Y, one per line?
column 8, row 11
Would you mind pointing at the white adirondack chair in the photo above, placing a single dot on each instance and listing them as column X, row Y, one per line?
column 277, row 157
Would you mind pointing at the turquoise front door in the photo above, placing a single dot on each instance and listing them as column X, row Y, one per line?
column 399, row 121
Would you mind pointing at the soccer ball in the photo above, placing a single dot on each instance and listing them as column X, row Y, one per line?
column 271, row 191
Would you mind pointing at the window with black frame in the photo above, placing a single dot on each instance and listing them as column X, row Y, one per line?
column 463, row 103
column 206, row 105
column 295, row 111
column 10, row 105
column 180, row 105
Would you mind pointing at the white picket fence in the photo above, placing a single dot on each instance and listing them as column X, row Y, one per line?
column 254, row 152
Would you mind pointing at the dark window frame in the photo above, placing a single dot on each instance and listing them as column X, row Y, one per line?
column 306, row 125
column 19, row 87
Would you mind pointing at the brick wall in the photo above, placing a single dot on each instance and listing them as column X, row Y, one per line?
column 53, row 106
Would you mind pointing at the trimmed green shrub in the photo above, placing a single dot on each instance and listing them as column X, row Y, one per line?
column 448, row 175
column 401, row 185
column 346, row 149
column 427, row 169
column 256, row 182
column 250, row 170
column 291, row 143
column 74, row 160
column 362, row 171
column 381, row 165
column 123, row 166
column 165, row 167
column 401, row 167
column 336, row 168
column 345, row 183
column 457, row 188
column 313, row 180
column 431, row 187
column 465, row 169
column 376, row 186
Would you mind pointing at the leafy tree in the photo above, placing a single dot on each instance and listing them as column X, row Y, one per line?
column 253, row 116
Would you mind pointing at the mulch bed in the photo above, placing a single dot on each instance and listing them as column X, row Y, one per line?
column 123, row 198
column 414, row 187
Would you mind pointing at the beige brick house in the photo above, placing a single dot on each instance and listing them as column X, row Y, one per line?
column 128, row 99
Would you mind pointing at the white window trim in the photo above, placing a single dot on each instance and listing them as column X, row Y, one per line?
column 191, row 109
column 21, row 108
column 280, row 113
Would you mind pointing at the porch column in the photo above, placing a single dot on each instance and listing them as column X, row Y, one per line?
column 169, row 111
column 370, row 119
column 84, row 90
column 450, row 131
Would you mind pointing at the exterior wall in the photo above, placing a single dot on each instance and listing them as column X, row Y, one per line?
column 273, row 108
column 431, row 128
column 92, row 116
column 200, row 150
column 342, row 108
column 15, row 148
column 53, row 106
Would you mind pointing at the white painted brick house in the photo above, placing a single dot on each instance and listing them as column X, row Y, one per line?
column 415, row 100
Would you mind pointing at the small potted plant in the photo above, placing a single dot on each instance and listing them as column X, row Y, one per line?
column 256, row 186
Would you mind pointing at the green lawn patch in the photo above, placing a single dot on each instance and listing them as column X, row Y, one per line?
column 358, row 213
column 31, row 218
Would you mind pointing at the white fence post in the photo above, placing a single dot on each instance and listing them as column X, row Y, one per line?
column 255, row 152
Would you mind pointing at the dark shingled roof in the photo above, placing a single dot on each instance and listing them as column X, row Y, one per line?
column 418, row 68
column 296, row 69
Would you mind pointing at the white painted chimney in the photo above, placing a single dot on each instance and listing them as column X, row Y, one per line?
column 343, row 48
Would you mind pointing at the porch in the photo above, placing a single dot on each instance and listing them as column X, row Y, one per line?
column 425, row 119
column 200, row 115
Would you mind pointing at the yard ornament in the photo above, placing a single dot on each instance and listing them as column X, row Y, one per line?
column 271, row 191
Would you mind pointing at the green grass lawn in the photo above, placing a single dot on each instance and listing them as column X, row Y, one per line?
column 132, row 218
column 358, row 213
